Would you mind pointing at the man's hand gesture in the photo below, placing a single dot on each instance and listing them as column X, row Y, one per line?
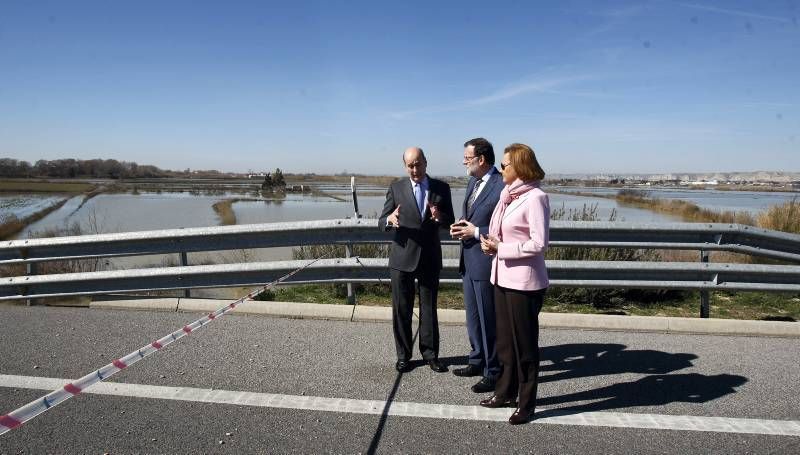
column 394, row 218
column 434, row 211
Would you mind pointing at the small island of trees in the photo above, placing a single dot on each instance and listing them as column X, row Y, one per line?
column 274, row 182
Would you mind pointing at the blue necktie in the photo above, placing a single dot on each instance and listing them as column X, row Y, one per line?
column 420, row 196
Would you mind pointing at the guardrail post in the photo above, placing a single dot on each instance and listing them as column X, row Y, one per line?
column 30, row 269
column 704, row 295
column 355, row 196
column 351, row 296
column 184, row 262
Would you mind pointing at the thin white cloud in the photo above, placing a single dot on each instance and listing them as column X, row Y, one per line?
column 541, row 86
column 732, row 12
column 521, row 89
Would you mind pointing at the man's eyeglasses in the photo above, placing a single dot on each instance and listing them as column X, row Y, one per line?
column 503, row 166
column 467, row 159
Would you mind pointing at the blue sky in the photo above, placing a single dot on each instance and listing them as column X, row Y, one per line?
column 328, row 86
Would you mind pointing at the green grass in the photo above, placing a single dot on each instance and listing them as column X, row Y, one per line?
column 723, row 305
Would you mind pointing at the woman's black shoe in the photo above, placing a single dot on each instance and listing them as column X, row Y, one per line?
column 519, row 417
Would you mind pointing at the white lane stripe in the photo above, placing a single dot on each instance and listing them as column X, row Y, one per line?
column 410, row 409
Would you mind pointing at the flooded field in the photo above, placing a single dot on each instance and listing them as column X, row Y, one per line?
column 21, row 206
column 123, row 212
column 147, row 211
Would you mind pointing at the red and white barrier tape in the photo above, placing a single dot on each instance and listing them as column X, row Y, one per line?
column 21, row 415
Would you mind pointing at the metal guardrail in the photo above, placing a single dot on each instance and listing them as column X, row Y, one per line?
column 584, row 234
column 594, row 274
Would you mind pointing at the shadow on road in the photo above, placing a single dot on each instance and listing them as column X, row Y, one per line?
column 571, row 361
column 651, row 390
column 594, row 359
column 376, row 438
column 579, row 360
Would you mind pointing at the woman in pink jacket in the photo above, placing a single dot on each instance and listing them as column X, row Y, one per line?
column 518, row 237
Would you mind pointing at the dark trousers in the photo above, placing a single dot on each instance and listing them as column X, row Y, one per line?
column 403, row 290
column 479, row 309
column 517, row 314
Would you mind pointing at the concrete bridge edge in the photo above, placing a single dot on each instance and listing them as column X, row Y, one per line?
column 362, row 313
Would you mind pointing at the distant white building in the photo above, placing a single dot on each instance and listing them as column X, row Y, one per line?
column 701, row 182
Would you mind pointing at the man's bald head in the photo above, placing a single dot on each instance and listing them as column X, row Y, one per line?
column 413, row 153
column 415, row 163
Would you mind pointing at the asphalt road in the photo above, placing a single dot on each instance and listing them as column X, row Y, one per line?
column 585, row 374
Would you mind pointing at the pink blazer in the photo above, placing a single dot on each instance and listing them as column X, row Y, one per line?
column 519, row 262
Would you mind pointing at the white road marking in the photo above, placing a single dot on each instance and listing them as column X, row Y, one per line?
column 410, row 409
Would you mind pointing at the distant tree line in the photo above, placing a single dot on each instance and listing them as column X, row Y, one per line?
column 70, row 168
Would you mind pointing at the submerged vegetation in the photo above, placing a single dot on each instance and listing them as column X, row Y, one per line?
column 687, row 211
column 782, row 217
column 224, row 210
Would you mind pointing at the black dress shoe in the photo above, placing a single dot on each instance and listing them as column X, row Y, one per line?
column 519, row 417
column 485, row 385
column 469, row 370
column 497, row 402
column 402, row 366
column 437, row 366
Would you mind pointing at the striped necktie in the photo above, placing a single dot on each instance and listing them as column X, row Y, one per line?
column 474, row 194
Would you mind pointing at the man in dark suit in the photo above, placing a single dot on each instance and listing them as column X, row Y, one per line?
column 415, row 210
column 483, row 192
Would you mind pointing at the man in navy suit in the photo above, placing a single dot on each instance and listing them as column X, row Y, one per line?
column 483, row 192
column 416, row 208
